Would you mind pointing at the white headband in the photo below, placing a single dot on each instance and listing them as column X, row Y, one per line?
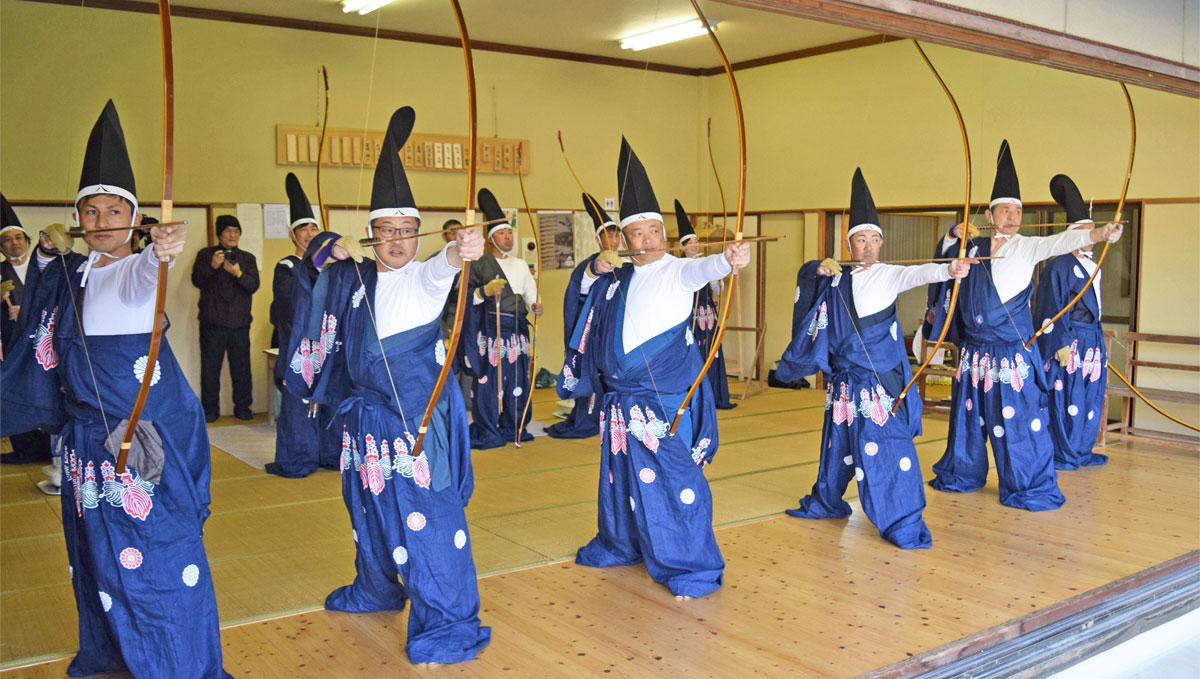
column 496, row 227
column 864, row 227
column 1004, row 201
column 640, row 217
column 302, row 221
column 95, row 189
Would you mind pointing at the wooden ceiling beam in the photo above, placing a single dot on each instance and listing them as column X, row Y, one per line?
column 943, row 24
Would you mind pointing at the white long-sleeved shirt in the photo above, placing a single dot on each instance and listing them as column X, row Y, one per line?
column 519, row 279
column 1021, row 254
column 118, row 299
column 660, row 294
column 876, row 288
column 414, row 294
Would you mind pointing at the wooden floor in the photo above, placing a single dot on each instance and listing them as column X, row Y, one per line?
column 817, row 598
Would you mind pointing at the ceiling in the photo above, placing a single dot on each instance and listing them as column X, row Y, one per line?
column 591, row 27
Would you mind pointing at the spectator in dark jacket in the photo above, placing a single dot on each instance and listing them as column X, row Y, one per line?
column 227, row 277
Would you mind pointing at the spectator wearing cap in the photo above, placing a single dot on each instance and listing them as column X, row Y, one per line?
column 227, row 278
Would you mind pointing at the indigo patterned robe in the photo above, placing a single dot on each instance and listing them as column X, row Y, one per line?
column 142, row 585
column 866, row 366
column 584, row 420
column 998, row 394
column 406, row 512
column 654, row 504
column 1076, row 390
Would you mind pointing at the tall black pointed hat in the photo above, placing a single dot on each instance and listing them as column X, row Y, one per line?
column 300, row 211
column 491, row 210
column 1067, row 195
column 633, row 187
column 106, row 167
column 1006, row 188
column 684, row 223
column 600, row 218
column 391, row 195
column 8, row 217
column 863, row 216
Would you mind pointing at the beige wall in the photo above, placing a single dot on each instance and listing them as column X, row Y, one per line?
column 810, row 123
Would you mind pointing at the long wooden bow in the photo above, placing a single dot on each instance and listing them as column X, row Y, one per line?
column 533, row 337
column 962, row 241
column 160, row 316
column 321, row 154
column 1120, row 205
column 464, row 277
column 741, row 215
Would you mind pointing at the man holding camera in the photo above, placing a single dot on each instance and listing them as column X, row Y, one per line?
column 227, row 277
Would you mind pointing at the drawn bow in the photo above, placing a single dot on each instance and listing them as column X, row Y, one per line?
column 962, row 241
column 160, row 298
column 741, row 215
column 460, row 305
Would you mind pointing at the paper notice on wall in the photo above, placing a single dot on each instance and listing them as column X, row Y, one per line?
column 250, row 215
column 275, row 220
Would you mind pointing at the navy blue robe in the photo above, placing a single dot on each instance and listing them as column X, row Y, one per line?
column 583, row 422
column 653, row 504
column 143, row 590
column 31, row 357
column 407, row 513
column 861, row 438
column 503, row 357
column 705, row 313
column 1076, row 390
column 998, row 394
column 302, row 443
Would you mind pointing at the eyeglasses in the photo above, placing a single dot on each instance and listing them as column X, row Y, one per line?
column 387, row 232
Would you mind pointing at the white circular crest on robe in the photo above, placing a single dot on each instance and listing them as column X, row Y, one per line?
column 1009, row 412
column 354, row 534
column 1036, row 424
column 687, row 496
column 998, row 431
column 70, row 571
column 105, row 601
column 871, row 448
column 892, row 330
column 858, row 473
column 632, row 504
column 439, row 352
column 191, row 575
column 849, row 460
column 797, row 297
column 518, row 391
column 1091, row 414
column 646, row 475
column 130, row 558
column 905, row 464
column 1073, row 410
column 460, row 539
column 415, row 521
column 358, row 296
column 1058, row 385
column 139, row 370
column 400, row 555
column 970, row 404
column 612, row 290
column 981, row 422
column 1049, row 328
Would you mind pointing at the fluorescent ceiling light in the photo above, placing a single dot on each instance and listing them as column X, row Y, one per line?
column 662, row 36
column 363, row 6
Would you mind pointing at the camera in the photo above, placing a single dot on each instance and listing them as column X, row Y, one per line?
column 231, row 256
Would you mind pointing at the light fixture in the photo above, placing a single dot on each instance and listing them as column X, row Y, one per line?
column 363, row 6
column 662, row 36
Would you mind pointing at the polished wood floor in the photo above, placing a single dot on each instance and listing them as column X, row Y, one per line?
column 815, row 598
